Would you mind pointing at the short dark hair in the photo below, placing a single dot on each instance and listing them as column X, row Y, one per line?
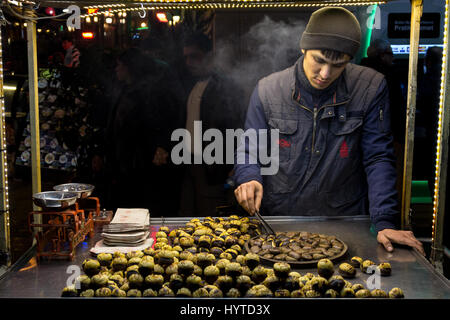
column 332, row 54
column 199, row 40
column 434, row 55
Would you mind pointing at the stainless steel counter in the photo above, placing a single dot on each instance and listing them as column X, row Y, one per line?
column 410, row 271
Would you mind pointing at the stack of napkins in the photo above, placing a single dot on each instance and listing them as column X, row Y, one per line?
column 128, row 228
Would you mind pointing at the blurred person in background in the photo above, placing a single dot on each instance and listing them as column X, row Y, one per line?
column 381, row 58
column 217, row 101
column 138, row 131
column 72, row 54
column 428, row 93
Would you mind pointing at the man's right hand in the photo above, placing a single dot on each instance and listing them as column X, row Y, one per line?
column 249, row 196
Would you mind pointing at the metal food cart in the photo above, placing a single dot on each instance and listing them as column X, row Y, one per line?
column 411, row 271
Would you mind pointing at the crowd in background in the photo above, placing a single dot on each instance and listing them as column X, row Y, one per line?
column 137, row 97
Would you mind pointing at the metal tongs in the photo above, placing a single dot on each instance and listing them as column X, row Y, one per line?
column 264, row 223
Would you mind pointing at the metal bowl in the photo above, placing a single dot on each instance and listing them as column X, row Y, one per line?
column 55, row 199
column 82, row 189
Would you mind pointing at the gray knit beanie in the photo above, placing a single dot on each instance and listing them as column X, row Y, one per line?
column 332, row 28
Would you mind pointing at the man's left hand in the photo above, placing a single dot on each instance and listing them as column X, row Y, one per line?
column 388, row 236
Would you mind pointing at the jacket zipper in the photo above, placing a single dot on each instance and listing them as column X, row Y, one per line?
column 315, row 112
column 314, row 129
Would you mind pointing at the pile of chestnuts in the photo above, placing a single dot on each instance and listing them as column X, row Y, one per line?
column 206, row 259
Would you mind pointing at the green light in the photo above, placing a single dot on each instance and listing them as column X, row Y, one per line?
column 371, row 21
column 142, row 28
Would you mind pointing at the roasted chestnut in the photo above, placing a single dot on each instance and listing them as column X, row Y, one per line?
column 103, row 292
column 193, row 282
column 233, row 293
column 357, row 286
column 158, row 269
column 297, row 294
column 172, row 269
column 330, row 293
column 184, row 292
column 175, row 282
column 104, row 259
column 211, row 273
column 282, row 293
column 259, row 291
column 281, row 269
column 347, row 293
column 259, row 274
column 221, row 264
column 145, row 267
column 356, row 262
column 319, row 284
column 154, row 281
column 272, row 282
column 363, row 293
column 291, row 283
column 204, row 241
column 396, row 293
column 134, row 261
column 216, row 251
column 378, row 293
column 98, row 281
column 243, row 283
column 119, row 263
column 385, row 268
column 133, row 254
column 185, row 267
column 198, row 271
column 149, row 293
column 312, row 294
column 91, row 267
column 213, row 291
column 165, row 257
column 365, row 266
column 160, row 234
column 165, row 292
column 325, row 268
column 83, row 282
column 89, row 293
column 135, row 281
column 233, row 269
column 224, row 283
column 200, row 293
column 347, row 270
column 70, row 291
column 205, row 259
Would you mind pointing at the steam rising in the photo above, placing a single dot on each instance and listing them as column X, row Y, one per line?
column 267, row 47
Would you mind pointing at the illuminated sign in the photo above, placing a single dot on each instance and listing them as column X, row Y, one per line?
column 88, row 35
column 162, row 17
column 404, row 48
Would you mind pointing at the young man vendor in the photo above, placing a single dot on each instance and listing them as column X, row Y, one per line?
column 336, row 154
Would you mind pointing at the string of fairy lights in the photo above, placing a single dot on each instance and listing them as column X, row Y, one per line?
column 440, row 124
column 105, row 9
column 4, row 198
column 313, row 3
column 199, row 4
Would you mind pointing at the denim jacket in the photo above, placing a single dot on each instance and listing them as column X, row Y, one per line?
column 335, row 158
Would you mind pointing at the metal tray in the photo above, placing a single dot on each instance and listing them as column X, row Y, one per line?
column 55, row 199
column 308, row 263
column 82, row 189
